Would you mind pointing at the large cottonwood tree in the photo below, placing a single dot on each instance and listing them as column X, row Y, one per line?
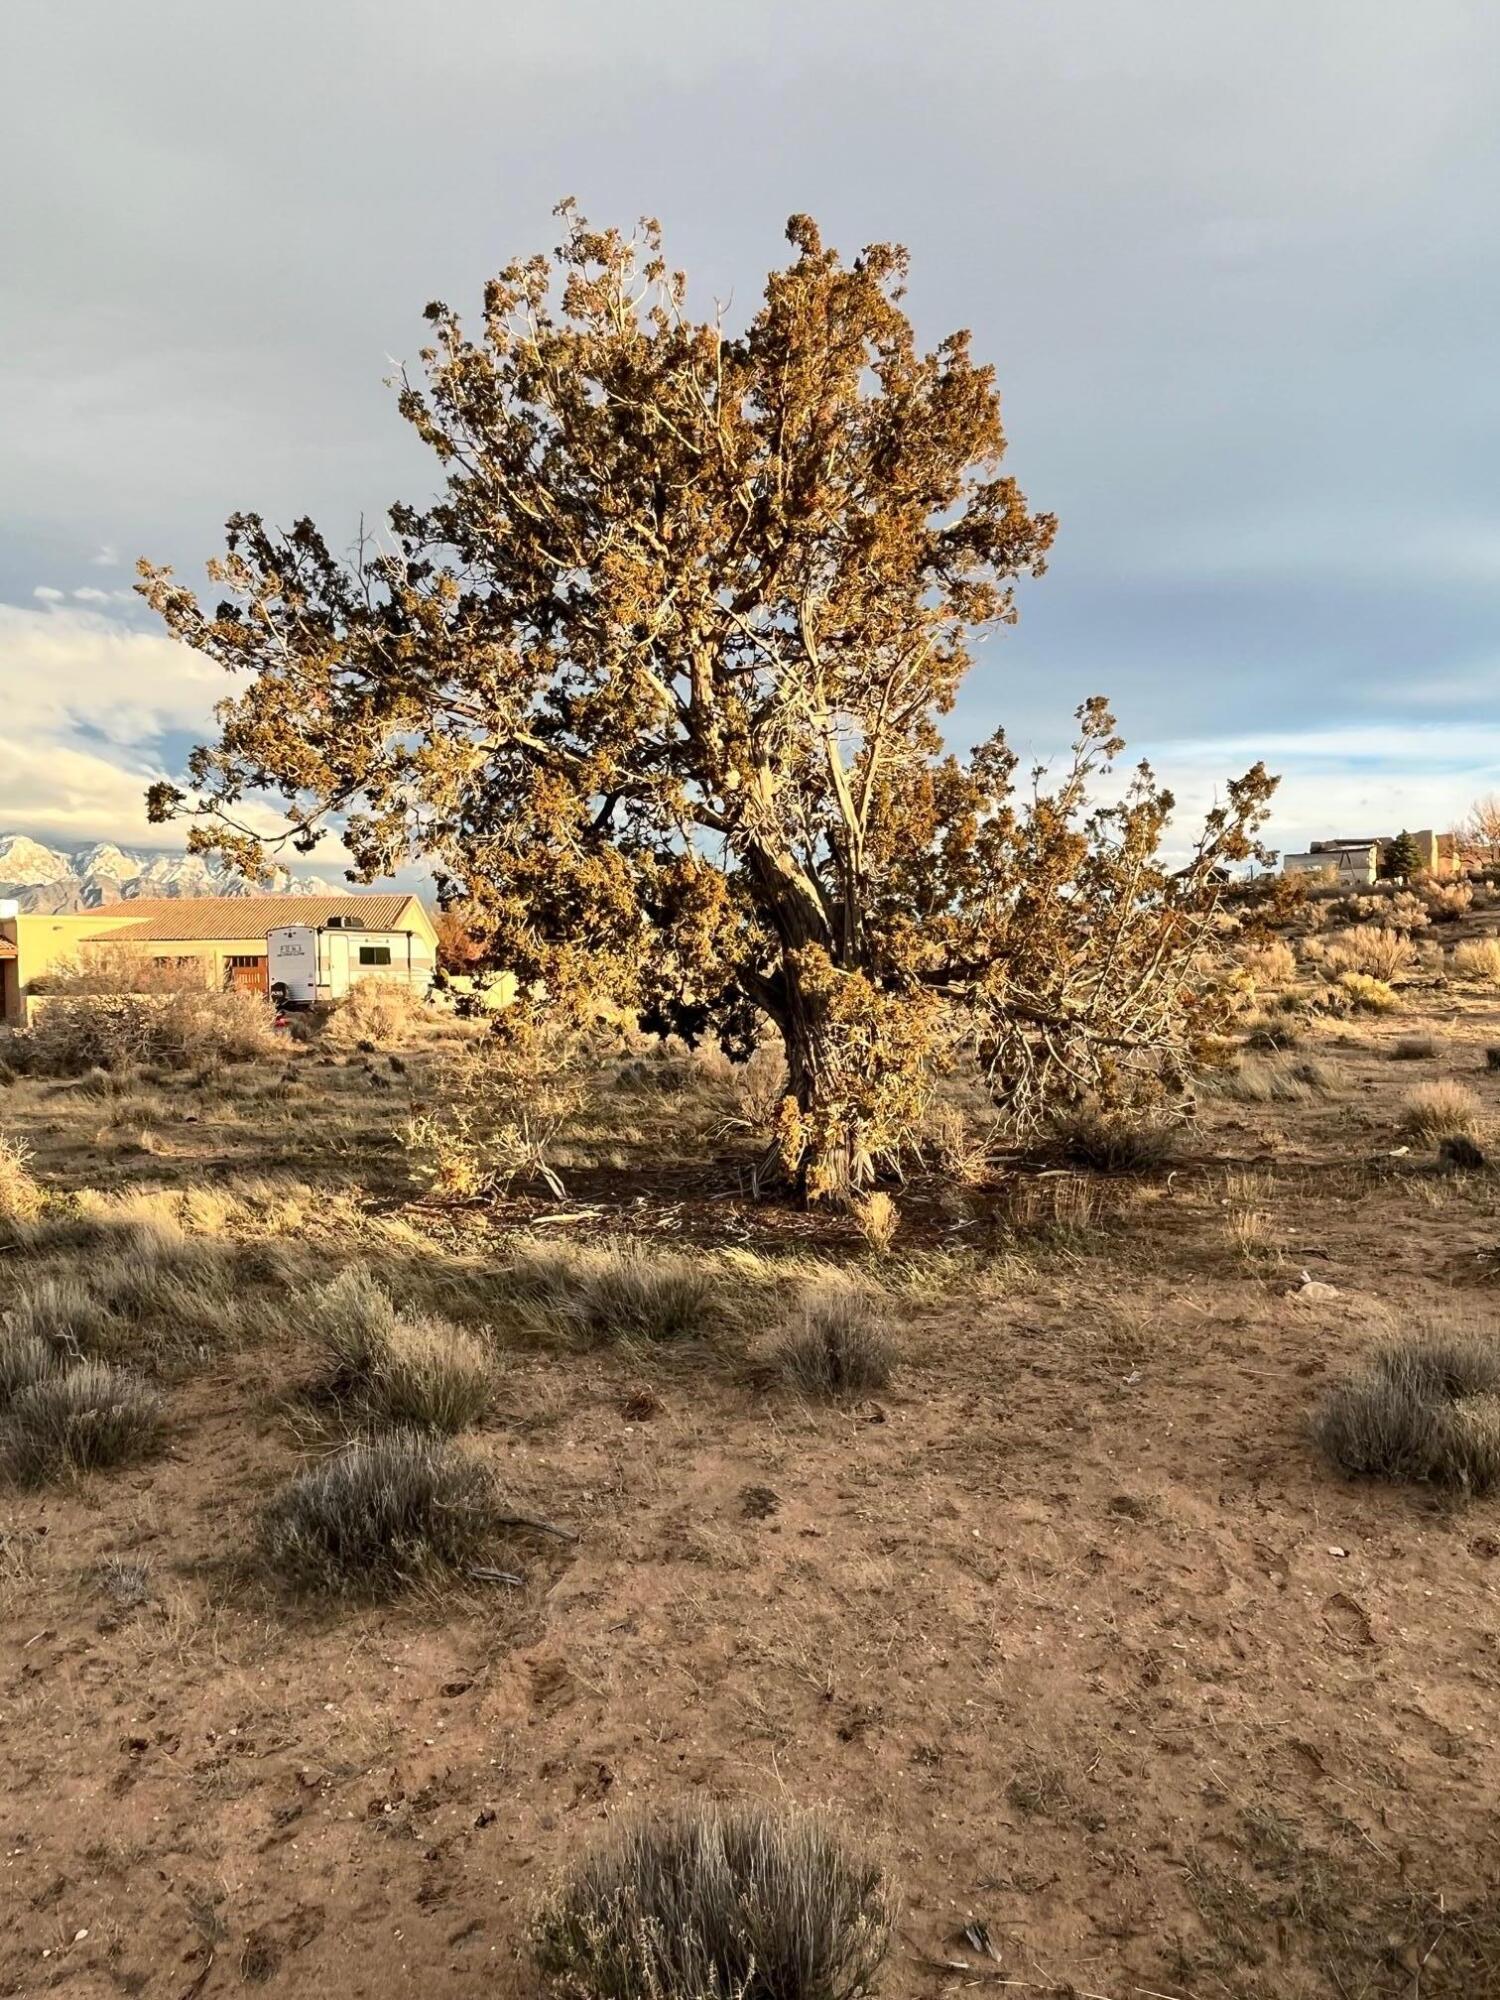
column 654, row 683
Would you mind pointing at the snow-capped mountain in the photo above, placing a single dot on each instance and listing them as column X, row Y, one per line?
column 49, row 880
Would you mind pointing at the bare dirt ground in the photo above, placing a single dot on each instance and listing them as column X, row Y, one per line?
column 1072, row 1623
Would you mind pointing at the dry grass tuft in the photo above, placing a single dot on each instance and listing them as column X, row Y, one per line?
column 960, row 1152
column 1054, row 1210
column 1427, row 1408
column 21, row 1199
column 878, row 1219
column 144, row 1294
column 838, row 1343
column 74, row 1419
column 413, row 1374
column 1269, row 964
column 24, row 1358
column 380, row 1515
column 1249, row 1222
column 1478, row 959
column 609, row 1293
column 1441, row 1110
column 1116, row 1141
column 1382, row 953
column 1414, row 1048
column 718, row 1902
column 1278, row 1080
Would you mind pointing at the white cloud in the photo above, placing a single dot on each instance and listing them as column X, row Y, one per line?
column 106, row 558
column 66, row 672
column 48, row 595
column 69, row 678
column 88, row 702
column 1367, row 778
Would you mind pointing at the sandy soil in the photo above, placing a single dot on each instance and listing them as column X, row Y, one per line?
column 1072, row 1622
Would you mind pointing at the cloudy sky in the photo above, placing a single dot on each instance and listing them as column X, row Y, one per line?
column 1237, row 265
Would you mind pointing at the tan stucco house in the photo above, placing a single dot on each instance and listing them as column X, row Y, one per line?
column 1357, row 862
column 225, row 934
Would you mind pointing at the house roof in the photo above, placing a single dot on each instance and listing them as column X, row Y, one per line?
column 7, row 949
column 197, row 918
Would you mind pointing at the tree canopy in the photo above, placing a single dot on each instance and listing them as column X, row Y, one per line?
column 655, row 683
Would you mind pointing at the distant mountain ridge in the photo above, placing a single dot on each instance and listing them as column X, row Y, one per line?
column 50, row 881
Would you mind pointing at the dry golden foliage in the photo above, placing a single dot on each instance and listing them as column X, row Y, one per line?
column 878, row 1218
column 1366, row 994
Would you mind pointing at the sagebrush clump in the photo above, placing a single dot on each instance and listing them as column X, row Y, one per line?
column 718, row 1902
column 79, row 1029
column 629, row 1294
column 1478, row 958
column 410, row 1373
column 1426, row 1408
column 837, row 1343
column 1442, row 1110
column 1110, row 1141
column 76, row 1418
column 379, row 1515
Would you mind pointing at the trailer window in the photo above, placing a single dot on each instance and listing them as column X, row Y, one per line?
column 374, row 954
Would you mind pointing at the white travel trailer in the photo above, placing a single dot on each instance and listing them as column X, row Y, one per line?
column 312, row 963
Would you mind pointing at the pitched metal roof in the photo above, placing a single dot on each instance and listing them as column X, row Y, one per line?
column 197, row 918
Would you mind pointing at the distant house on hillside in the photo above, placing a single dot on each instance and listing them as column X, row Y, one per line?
column 224, row 935
column 1357, row 862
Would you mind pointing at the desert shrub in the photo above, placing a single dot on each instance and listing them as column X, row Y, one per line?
column 627, row 1294
column 379, row 1515
column 24, row 1359
column 1381, row 952
column 355, row 1316
column 877, row 1218
column 837, row 1343
column 1116, row 1141
column 715, row 1902
column 1446, row 902
column 21, row 1199
column 1273, row 1037
column 375, row 1015
column 1441, row 1110
column 1414, row 1048
column 415, row 1374
column 1367, row 994
column 958, row 1150
column 1426, row 1408
column 74, row 1419
column 497, row 1107
column 76, row 1031
column 1269, row 964
column 70, row 1321
column 1478, row 958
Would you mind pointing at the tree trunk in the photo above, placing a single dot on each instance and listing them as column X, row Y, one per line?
column 819, row 1160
